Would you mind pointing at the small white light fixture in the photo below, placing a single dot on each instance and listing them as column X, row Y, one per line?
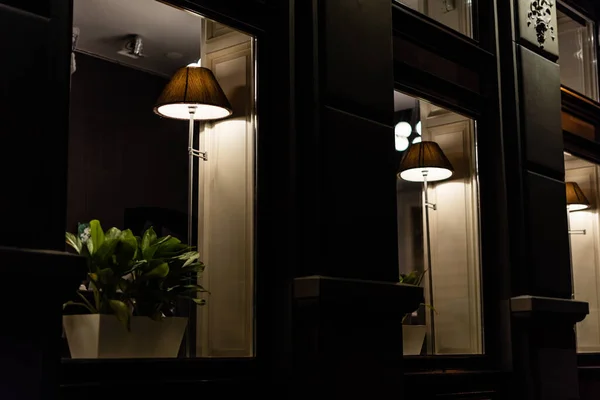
column 401, row 143
column 403, row 129
column 418, row 128
column 417, row 140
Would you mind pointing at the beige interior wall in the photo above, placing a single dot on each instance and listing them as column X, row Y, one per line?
column 454, row 229
column 585, row 256
column 226, row 200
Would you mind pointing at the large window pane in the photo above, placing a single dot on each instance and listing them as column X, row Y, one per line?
column 455, row 14
column 582, row 179
column 440, row 242
column 577, row 52
column 129, row 169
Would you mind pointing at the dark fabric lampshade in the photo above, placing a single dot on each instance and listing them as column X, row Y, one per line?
column 425, row 157
column 576, row 200
column 193, row 86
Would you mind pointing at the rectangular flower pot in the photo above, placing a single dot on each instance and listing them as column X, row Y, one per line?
column 413, row 337
column 103, row 336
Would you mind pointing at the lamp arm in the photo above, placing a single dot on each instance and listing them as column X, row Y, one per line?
column 203, row 155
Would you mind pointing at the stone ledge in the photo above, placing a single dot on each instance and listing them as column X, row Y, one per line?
column 555, row 308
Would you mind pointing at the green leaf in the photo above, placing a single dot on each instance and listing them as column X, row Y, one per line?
column 124, row 285
column 127, row 248
column 170, row 246
column 189, row 257
column 181, row 289
column 132, row 268
column 105, row 275
column 160, row 271
column 90, row 306
column 199, row 302
column 112, row 233
column 105, row 252
column 94, row 286
column 73, row 241
column 97, row 235
column 74, row 303
column 148, row 239
column 121, row 312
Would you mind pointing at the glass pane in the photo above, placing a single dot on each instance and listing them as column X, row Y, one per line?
column 455, row 14
column 439, row 243
column 577, row 52
column 582, row 200
column 134, row 63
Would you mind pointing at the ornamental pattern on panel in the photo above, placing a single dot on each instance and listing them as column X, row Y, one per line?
column 539, row 16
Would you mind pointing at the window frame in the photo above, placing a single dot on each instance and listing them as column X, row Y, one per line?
column 272, row 290
column 479, row 57
column 587, row 110
column 481, row 13
column 583, row 15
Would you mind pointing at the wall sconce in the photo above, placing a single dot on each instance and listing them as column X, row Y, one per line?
column 426, row 162
column 576, row 201
column 193, row 93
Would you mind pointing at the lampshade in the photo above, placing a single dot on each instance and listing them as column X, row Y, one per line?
column 425, row 156
column 576, row 200
column 193, row 86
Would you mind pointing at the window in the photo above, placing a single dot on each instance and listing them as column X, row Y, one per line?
column 581, row 178
column 129, row 169
column 439, row 243
column 455, row 14
column 577, row 52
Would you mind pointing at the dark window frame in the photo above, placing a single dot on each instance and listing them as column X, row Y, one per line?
column 582, row 14
column 481, row 12
column 478, row 56
column 587, row 110
column 272, row 302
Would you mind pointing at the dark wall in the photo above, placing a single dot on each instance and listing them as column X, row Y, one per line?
column 121, row 154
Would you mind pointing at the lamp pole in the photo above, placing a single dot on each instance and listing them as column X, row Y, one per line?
column 427, row 205
column 191, row 156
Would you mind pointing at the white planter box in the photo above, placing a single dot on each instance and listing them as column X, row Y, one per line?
column 103, row 336
column 413, row 337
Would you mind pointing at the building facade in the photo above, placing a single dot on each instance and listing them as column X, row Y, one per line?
column 333, row 95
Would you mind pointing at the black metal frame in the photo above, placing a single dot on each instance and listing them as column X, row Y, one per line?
column 482, row 105
column 274, row 248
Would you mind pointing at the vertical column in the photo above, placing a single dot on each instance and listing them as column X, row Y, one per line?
column 544, row 355
column 34, row 111
column 34, row 107
column 348, row 310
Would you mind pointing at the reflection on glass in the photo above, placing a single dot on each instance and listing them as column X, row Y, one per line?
column 449, row 267
column 582, row 187
column 577, row 52
column 455, row 14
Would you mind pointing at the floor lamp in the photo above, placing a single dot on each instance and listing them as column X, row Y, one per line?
column 576, row 201
column 193, row 93
column 426, row 162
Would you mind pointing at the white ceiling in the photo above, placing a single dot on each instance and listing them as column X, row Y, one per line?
column 403, row 101
column 105, row 25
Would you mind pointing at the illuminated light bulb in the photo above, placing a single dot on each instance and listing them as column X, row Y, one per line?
column 403, row 129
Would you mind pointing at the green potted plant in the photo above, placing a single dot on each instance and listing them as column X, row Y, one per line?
column 413, row 336
column 133, row 287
